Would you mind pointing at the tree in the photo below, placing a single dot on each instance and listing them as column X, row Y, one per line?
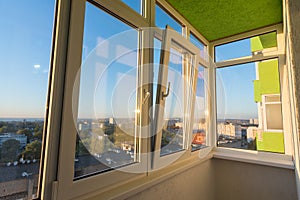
column 3, row 129
column 10, row 150
column 32, row 150
column 37, row 127
column 38, row 135
column 80, row 147
column 26, row 132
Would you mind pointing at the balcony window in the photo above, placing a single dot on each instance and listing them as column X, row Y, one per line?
column 162, row 19
column 136, row 5
column 107, row 95
column 26, row 38
column 246, row 47
column 249, row 112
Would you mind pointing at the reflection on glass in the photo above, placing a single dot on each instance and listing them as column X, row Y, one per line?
column 236, row 110
column 246, row 47
column 108, row 81
column 172, row 132
column 135, row 5
column 162, row 19
column 157, row 51
column 25, row 38
column 200, row 123
column 249, row 114
column 200, row 45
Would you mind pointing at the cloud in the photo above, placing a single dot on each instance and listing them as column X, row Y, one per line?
column 37, row 66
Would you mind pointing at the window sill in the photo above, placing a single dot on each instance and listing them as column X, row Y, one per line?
column 255, row 157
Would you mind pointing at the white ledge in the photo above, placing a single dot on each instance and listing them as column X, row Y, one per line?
column 255, row 157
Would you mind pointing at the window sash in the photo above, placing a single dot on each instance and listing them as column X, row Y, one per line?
column 189, row 73
column 67, row 188
column 266, row 55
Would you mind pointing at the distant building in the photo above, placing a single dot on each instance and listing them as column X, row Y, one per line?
column 8, row 136
column 179, row 124
column 95, row 125
column 226, row 129
column 126, row 147
column 111, row 120
column 253, row 121
column 199, row 126
column 199, row 138
column 251, row 133
column 84, row 126
column 238, row 131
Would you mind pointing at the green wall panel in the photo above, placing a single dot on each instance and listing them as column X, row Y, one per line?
column 269, row 77
column 257, row 92
column 271, row 141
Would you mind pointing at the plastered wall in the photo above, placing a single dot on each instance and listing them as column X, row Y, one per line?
column 238, row 180
column 219, row 179
column 193, row 184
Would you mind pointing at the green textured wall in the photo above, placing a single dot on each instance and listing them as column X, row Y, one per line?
column 217, row 19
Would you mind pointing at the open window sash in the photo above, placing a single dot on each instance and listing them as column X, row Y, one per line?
column 175, row 98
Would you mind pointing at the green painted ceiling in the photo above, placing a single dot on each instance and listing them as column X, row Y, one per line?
column 217, row 19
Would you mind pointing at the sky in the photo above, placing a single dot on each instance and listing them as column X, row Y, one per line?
column 26, row 33
column 235, row 83
column 25, row 42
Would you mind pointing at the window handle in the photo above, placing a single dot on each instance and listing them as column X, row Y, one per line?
column 164, row 95
column 147, row 95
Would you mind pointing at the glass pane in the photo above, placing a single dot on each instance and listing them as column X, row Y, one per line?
column 172, row 131
column 245, row 119
column 245, row 47
column 25, row 38
column 135, row 5
column 200, row 45
column 157, row 52
column 236, row 105
column 107, row 100
column 200, row 111
column 162, row 19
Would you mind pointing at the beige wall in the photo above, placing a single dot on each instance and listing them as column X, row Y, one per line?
column 219, row 179
column 237, row 180
column 194, row 184
column 294, row 28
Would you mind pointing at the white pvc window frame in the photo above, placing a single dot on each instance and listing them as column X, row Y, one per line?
column 67, row 187
column 265, row 104
column 189, row 75
column 57, row 181
column 279, row 54
column 54, row 180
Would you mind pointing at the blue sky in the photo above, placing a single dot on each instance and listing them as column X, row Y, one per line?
column 235, row 84
column 25, row 42
column 235, row 92
column 26, row 33
column 105, row 76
